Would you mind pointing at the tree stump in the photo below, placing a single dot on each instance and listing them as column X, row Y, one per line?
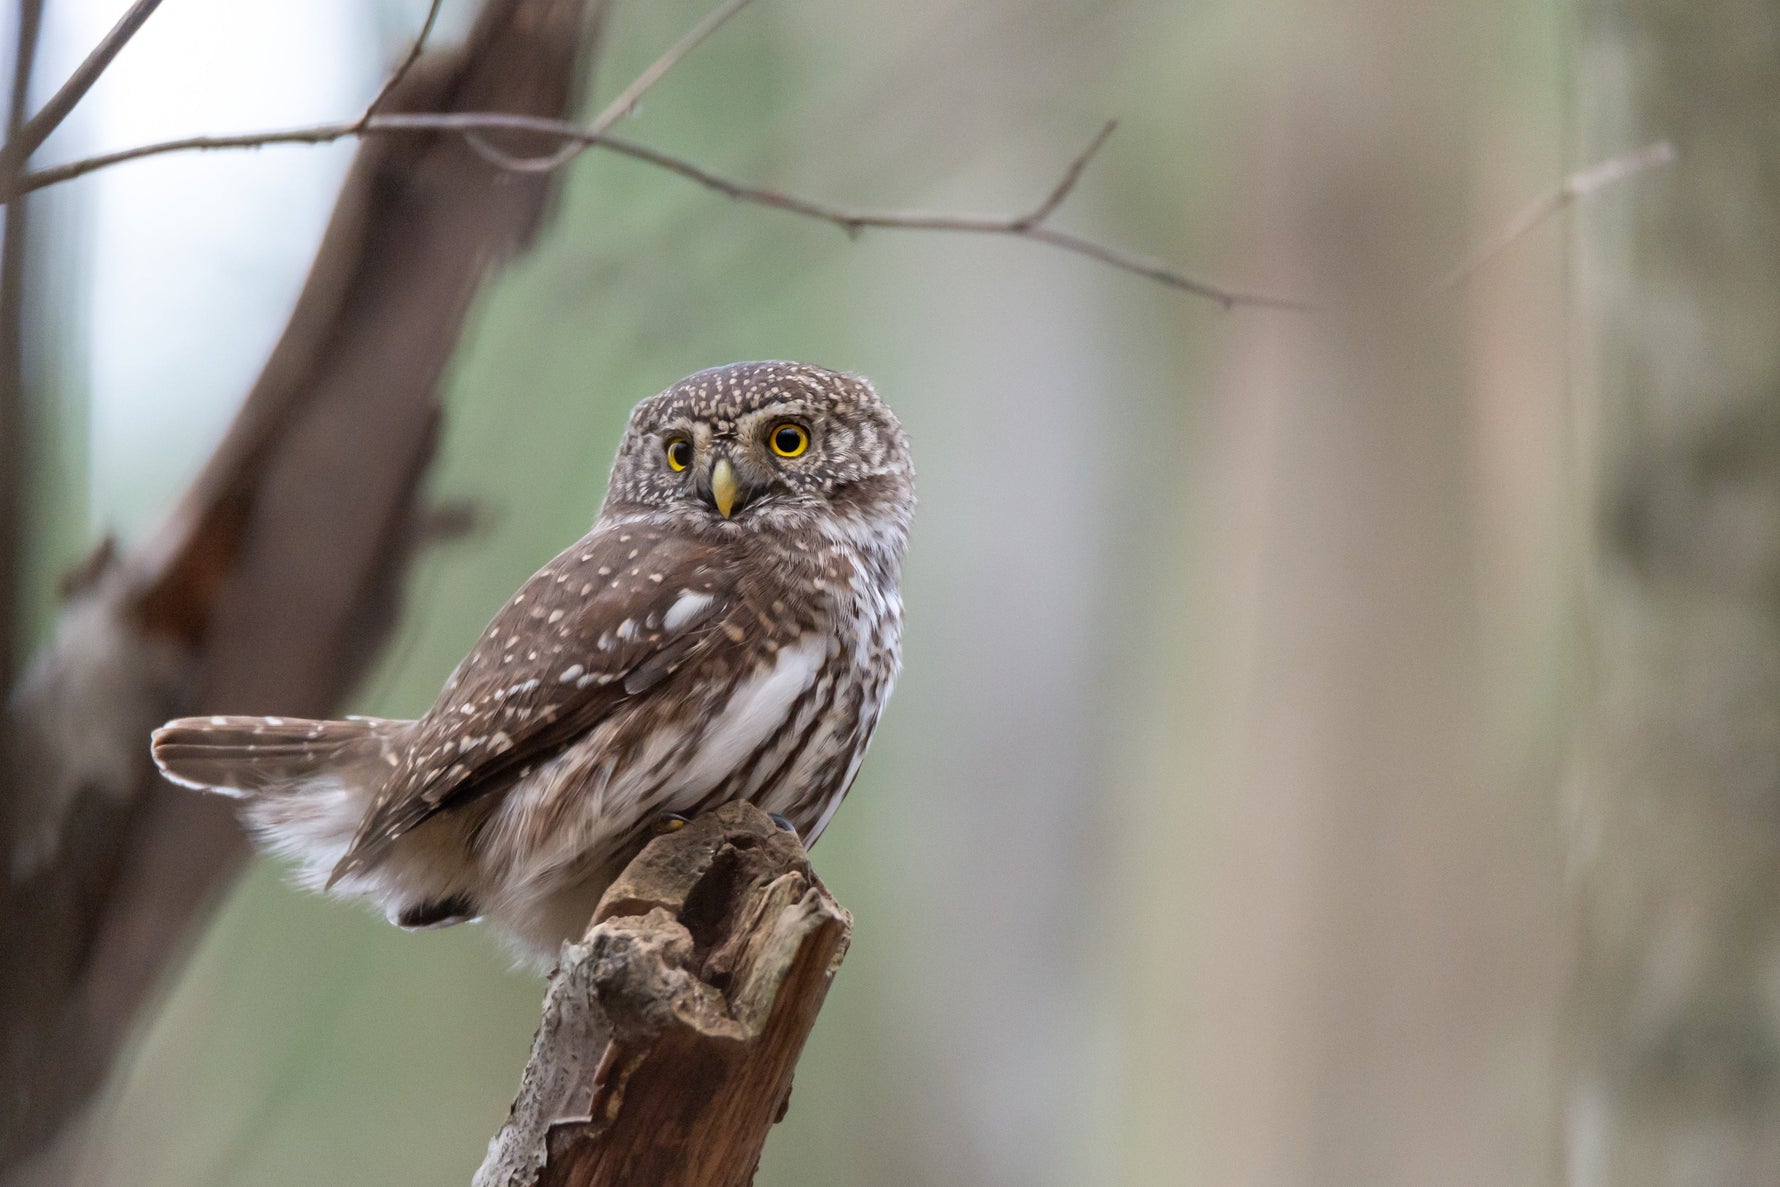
column 670, row 1031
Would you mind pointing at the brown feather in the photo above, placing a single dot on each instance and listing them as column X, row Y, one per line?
column 551, row 664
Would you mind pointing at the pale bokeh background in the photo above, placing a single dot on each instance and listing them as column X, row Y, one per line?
column 1212, row 834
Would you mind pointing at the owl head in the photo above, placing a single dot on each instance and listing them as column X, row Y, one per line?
column 764, row 445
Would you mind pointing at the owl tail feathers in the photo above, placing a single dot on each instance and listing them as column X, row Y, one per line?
column 305, row 785
column 246, row 757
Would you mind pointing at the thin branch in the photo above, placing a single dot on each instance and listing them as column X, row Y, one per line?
column 28, row 139
column 850, row 220
column 1578, row 185
column 401, row 71
column 578, row 137
column 627, row 98
column 1162, row 273
column 614, row 111
column 1067, row 182
column 317, row 134
column 502, row 159
column 1024, row 226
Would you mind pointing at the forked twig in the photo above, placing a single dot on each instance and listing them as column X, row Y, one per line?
column 850, row 220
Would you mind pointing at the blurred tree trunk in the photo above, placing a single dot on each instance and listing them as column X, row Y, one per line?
column 1676, row 829
column 271, row 586
column 14, row 429
column 1367, row 892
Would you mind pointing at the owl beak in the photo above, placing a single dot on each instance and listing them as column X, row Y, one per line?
column 724, row 487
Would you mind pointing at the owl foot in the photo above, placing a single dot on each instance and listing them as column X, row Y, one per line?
column 667, row 822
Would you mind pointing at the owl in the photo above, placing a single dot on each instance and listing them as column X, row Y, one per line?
column 729, row 630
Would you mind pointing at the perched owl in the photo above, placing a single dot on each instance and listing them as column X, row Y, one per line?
column 729, row 629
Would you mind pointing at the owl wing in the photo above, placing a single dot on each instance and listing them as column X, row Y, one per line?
column 607, row 620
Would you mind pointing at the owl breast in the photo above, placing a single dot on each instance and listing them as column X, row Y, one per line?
column 812, row 761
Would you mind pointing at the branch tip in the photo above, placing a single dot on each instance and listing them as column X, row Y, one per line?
column 1067, row 183
column 406, row 64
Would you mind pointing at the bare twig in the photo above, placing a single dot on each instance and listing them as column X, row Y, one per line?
column 502, row 159
column 1578, row 185
column 1066, row 183
column 317, row 134
column 850, row 220
column 401, row 71
column 21, row 144
column 627, row 98
column 614, row 111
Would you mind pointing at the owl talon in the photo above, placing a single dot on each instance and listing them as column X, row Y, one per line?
column 668, row 822
column 783, row 823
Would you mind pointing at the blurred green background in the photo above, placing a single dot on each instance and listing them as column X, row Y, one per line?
column 1211, row 835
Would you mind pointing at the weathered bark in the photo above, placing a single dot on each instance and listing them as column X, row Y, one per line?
column 1676, row 837
column 670, row 1032
column 271, row 586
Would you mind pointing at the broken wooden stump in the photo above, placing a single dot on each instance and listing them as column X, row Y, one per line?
column 670, row 1032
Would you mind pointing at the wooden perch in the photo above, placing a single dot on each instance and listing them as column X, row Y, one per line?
column 670, row 1032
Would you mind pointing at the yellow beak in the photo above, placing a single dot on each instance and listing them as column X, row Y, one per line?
column 724, row 486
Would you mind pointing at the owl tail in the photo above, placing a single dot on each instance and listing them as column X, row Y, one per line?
column 305, row 785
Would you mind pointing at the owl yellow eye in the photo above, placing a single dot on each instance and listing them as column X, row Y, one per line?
column 679, row 454
column 789, row 440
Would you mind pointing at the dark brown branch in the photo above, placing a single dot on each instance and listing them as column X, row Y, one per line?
column 14, row 434
column 26, row 140
column 270, row 587
column 670, row 1032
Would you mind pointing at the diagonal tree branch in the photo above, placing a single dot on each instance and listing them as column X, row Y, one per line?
column 273, row 583
column 13, row 431
column 20, row 144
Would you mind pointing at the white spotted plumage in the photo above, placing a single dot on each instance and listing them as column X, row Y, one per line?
column 692, row 649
